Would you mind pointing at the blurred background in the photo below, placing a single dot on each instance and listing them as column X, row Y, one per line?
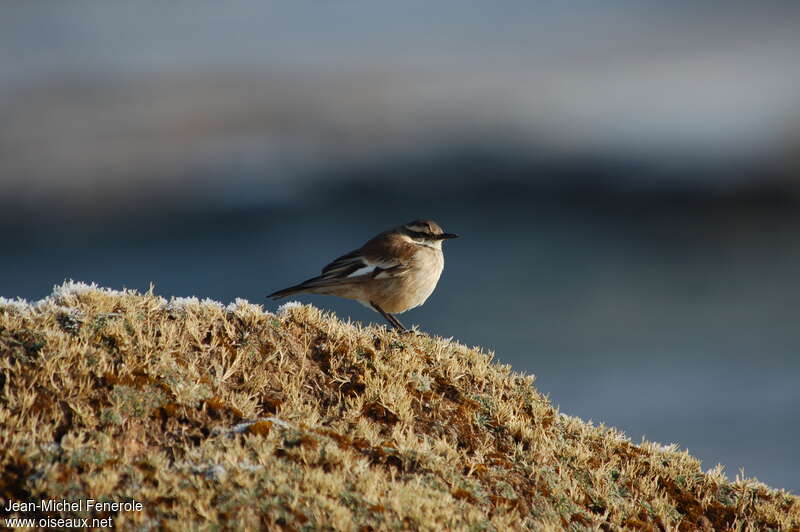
column 624, row 176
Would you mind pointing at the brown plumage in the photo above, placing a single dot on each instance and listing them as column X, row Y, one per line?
column 393, row 272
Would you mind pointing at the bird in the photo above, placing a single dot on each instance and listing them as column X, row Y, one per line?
column 393, row 272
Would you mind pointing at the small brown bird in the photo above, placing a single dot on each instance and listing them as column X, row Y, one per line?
column 395, row 271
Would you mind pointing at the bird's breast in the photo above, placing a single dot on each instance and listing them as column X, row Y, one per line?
column 415, row 287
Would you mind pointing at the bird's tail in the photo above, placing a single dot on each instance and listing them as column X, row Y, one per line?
column 315, row 285
column 296, row 289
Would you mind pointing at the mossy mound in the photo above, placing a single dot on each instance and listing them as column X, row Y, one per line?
column 234, row 417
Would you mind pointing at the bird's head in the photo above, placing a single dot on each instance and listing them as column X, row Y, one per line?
column 426, row 232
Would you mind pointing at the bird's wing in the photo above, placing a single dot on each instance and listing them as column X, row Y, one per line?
column 379, row 258
column 349, row 265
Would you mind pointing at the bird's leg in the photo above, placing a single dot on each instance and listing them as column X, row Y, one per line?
column 394, row 322
column 400, row 326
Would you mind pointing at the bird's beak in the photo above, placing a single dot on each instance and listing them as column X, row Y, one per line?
column 445, row 236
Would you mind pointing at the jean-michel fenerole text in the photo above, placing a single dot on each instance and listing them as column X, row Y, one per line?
column 81, row 505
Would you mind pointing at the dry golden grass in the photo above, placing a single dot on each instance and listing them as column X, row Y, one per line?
column 237, row 418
